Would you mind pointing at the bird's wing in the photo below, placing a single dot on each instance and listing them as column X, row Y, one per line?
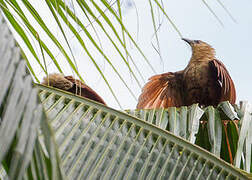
column 163, row 90
column 224, row 80
column 84, row 90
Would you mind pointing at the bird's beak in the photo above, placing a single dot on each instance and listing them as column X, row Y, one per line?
column 188, row 40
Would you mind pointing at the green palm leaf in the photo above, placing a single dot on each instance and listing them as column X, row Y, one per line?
column 218, row 130
column 21, row 116
column 99, row 142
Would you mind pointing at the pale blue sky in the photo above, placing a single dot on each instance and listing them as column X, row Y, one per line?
column 232, row 43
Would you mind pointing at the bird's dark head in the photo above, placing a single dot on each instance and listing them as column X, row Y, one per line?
column 200, row 49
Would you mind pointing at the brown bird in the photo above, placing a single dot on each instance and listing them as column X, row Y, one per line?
column 205, row 80
column 68, row 83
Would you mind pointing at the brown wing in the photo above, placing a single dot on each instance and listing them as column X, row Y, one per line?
column 84, row 90
column 225, row 82
column 163, row 90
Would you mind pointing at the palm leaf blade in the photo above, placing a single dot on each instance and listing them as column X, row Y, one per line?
column 111, row 144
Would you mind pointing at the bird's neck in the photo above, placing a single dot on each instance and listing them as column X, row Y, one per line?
column 204, row 54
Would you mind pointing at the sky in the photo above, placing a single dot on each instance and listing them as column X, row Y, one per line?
column 232, row 41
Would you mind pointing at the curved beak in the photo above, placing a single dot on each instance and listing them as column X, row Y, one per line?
column 188, row 40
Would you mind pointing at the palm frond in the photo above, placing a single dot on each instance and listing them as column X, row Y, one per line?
column 96, row 141
column 21, row 116
column 218, row 130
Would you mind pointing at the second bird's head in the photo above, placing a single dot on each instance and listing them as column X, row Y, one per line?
column 200, row 49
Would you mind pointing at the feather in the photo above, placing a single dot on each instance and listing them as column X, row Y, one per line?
column 58, row 81
column 68, row 83
column 163, row 90
column 226, row 83
column 84, row 90
column 205, row 80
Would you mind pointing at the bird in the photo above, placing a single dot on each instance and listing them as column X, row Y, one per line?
column 205, row 80
column 75, row 86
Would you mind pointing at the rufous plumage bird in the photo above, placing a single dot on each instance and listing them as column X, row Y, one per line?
column 205, row 80
column 68, row 83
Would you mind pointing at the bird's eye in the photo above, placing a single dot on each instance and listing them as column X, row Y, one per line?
column 197, row 41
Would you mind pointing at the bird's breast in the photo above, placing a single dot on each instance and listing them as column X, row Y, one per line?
column 199, row 85
column 196, row 75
